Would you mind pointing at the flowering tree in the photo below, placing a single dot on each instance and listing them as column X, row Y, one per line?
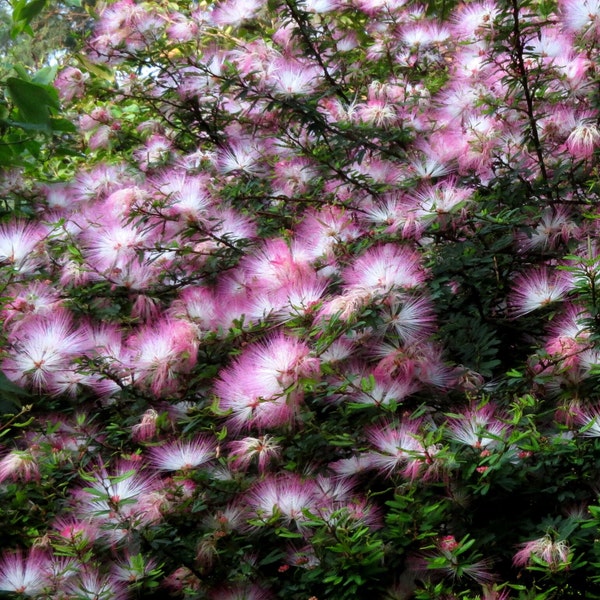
column 312, row 308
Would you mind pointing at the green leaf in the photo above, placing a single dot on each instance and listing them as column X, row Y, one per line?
column 34, row 101
column 27, row 11
column 6, row 385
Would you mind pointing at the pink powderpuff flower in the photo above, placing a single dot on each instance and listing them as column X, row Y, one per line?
column 20, row 245
column 287, row 497
column 183, row 194
column 30, row 299
column 146, row 428
column 235, row 12
column 112, row 499
column 182, row 29
column 274, row 266
column 133, row 568
column 410, row 316
column 76, row 533
column 261, row 388
column 265, row 449
column 474, row 21
column 293, row 77
column 583, row 140
column 183, row 455
column 293, row 177
column 586, row 417
column 538, row 288
column 90, row 585
column 478, row 427
column 556, row 554
column 385, row 268
column 242, row 156
column 70, row 83
column 554, row 226
column 419, row 364
column 24, row 574
column 157, row 152
column 323, row 231
column 162, row 352
column 19, row 465
column 381, row 390
column 581, row 16
column 399, row 447
column 43, row 349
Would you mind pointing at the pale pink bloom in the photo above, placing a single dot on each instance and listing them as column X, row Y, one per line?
column 182, row 29
column 293, row 177
column 411, row 317
column 394, row 213
column 353, row 513
column 156, row 152
column 381, row 390
column 261, row 388
column 199, row 305
column 299, row 298
column 161, row 353
column 76, row 533
column 276, row 265
column 19, row 465
column 538, row 288
column 265, row 449
column 90, row 585
column 304, row 557
column 479, row 427
column 588, row 418
column 399, row 448
column 133, row 568
column 117, row 499
column 475, row 20
column 100, row 138
column 293, row 78
column 229, row 226
column 100, row 181
column 555, row 226
column 183, row 194
column 286, row 497
column 146, row 428
column 242, row 155
column 59, row 571
column 444, row 198
column 322, row 231
column 70, row 83
column 418, row 363
column 555, row 553
column 583, row 140
column 347, row 467
column 374, row 7
column 581, row 16
column 20, row 244
column 43, row 348
column 24, row 574
column 183, row 455
column 385, row 268
column 111, row 244
column 235, row 12
column 381, row 171
column 29, row 300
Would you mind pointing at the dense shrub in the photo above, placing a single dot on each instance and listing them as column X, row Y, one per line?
column 308, row 307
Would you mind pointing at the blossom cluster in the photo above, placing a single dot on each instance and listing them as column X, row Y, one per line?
column 268, row 319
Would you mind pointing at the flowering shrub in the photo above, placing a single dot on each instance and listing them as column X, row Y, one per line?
column 311, row 309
